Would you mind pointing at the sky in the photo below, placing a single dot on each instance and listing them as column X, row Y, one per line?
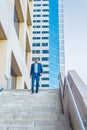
column 75, row 22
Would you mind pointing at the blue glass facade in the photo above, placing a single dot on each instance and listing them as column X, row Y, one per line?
column 48, row 39
column 53, row 44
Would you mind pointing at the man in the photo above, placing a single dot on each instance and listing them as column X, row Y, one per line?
column 35, row 73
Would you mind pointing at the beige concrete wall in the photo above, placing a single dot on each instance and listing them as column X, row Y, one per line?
column 20, row 82
column 12, row 44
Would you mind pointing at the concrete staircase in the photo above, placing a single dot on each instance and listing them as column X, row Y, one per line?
column 20, row 110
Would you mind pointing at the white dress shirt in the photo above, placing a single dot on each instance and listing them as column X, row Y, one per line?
column 36, row 68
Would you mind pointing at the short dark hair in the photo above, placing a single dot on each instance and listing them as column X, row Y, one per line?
column 36, row 58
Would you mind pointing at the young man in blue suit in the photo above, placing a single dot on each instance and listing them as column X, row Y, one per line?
column 35, row 73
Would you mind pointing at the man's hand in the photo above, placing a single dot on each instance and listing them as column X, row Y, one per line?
column 40, row 74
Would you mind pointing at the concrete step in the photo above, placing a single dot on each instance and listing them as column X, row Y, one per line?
column 33, row 122
column 29, row 116
column 26, row 111
column 35, row 128
column 34, row 117
column 26, row 90
column 20, row 110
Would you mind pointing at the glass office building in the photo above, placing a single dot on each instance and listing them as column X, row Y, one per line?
column 40, row 37
column 48, row 39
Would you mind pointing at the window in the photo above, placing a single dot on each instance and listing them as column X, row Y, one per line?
column 44, row 78
column 36, row 38
column 36, row 51
column 61, row 21
column 62, row 61
column 61, row 41
column 36, row 26
column 60, row 5
column 36, row 21
column 45, row 72
column 61, row 30
column 45, row 21
column 62, row 55
column 61, row 36
column 45, row 10
column 45, row 58
column 62, row 47
column 37, row 4
column 45, row 4
column 60, row 0
column 45, row 85
column 36, row 32
column 37, row 10
column 33, row 58
column 61, row 25
column 44, row 44
column 61, row 16
column 45, row 32
column 45, row 38
column 36, row 44
column 45, row 26
column 61, row 10
column 45, row 51
column 37, row 0
column 37, row 15
column 45, row 65
column 45, row 15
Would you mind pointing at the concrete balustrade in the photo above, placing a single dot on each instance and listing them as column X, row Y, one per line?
column 74, row 97
column 79, row 90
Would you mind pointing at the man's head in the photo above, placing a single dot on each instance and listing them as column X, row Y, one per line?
column 36, row 60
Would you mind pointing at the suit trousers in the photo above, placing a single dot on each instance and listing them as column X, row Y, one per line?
column 35, row 76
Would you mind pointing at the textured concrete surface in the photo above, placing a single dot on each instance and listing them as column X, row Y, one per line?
column 20, row 110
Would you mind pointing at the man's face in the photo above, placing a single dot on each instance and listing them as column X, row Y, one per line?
column 36, row 60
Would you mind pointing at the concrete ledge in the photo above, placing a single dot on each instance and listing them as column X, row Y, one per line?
column 19, row 8
column 29, row 21
column 4, row 20
column 2, row 33
column 28, row 43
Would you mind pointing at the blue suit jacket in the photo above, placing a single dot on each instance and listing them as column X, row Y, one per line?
column 40, row 70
